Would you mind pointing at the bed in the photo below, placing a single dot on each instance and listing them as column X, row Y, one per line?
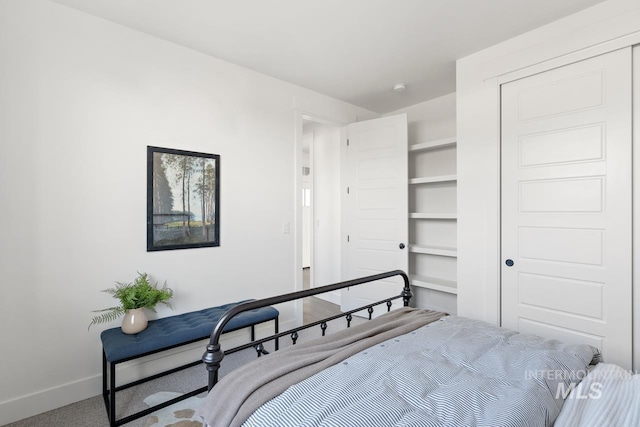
column 409, row 367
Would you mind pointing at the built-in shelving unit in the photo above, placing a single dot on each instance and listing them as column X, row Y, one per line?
column 439, row 143
column 432, row 186
column 442, row 285
column 433, row 179
column 434, row 215
column 433, row 250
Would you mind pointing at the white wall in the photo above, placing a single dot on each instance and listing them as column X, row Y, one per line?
column 606, row 26
column 81, row 100
column 427, row 121
column 636, row 208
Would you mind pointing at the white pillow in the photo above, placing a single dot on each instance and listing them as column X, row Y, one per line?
column 607, row 396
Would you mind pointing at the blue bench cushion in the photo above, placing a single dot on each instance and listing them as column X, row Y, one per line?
column 175, row 330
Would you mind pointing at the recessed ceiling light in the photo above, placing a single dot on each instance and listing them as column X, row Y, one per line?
column 400, row 87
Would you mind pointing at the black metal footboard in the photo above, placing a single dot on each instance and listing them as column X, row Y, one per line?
column 213, row 355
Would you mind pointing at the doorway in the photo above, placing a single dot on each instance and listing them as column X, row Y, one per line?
column 320, row 200
column 359, row 208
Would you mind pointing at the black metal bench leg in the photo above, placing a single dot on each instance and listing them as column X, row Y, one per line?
column 105, row 391
column 277, row 322
column 104, row 375
column 112, row 392
column 253, row 333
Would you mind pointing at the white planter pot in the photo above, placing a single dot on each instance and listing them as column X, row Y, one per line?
column 135, row 320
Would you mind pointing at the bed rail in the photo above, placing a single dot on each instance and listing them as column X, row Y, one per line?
column 213, row 355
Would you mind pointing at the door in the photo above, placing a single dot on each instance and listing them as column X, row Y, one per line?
column 375, row 207
column 566, row 204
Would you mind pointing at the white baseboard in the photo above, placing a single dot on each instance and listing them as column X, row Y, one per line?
column 46, row 400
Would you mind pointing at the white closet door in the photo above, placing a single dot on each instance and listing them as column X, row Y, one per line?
column 566, row 204
column 376, row 208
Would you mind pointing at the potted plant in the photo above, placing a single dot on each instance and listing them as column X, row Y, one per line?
column 134, row 298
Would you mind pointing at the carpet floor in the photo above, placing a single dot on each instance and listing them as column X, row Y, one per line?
column 91, row 412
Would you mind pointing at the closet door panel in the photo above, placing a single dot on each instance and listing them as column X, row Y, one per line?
column 566, row 204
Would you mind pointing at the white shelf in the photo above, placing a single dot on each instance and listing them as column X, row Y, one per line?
column 424, row 153
column 442, row 285
column 429, row 145
column 433, row 215
column 433, row 250
column 432, row 179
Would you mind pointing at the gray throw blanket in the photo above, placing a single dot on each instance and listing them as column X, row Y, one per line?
column 243, row 391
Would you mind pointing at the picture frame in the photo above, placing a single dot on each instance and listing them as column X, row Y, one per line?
column 183, row 199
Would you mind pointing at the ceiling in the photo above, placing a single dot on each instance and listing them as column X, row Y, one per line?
column 354, row 50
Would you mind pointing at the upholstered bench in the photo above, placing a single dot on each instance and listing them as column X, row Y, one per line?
column 164, row 334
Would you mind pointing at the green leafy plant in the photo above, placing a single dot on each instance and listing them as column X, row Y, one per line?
column 138, row 294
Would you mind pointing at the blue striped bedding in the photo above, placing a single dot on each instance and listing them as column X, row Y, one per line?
column 453, row 372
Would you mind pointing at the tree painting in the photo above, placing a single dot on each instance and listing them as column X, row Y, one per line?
column 182, row 199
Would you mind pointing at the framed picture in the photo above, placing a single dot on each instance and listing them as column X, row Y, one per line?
column 183, row 199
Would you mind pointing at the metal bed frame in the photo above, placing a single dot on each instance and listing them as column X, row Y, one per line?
column 214, row 354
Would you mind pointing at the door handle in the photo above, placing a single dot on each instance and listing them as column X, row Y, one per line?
column 401, row 245
column 509, row 263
